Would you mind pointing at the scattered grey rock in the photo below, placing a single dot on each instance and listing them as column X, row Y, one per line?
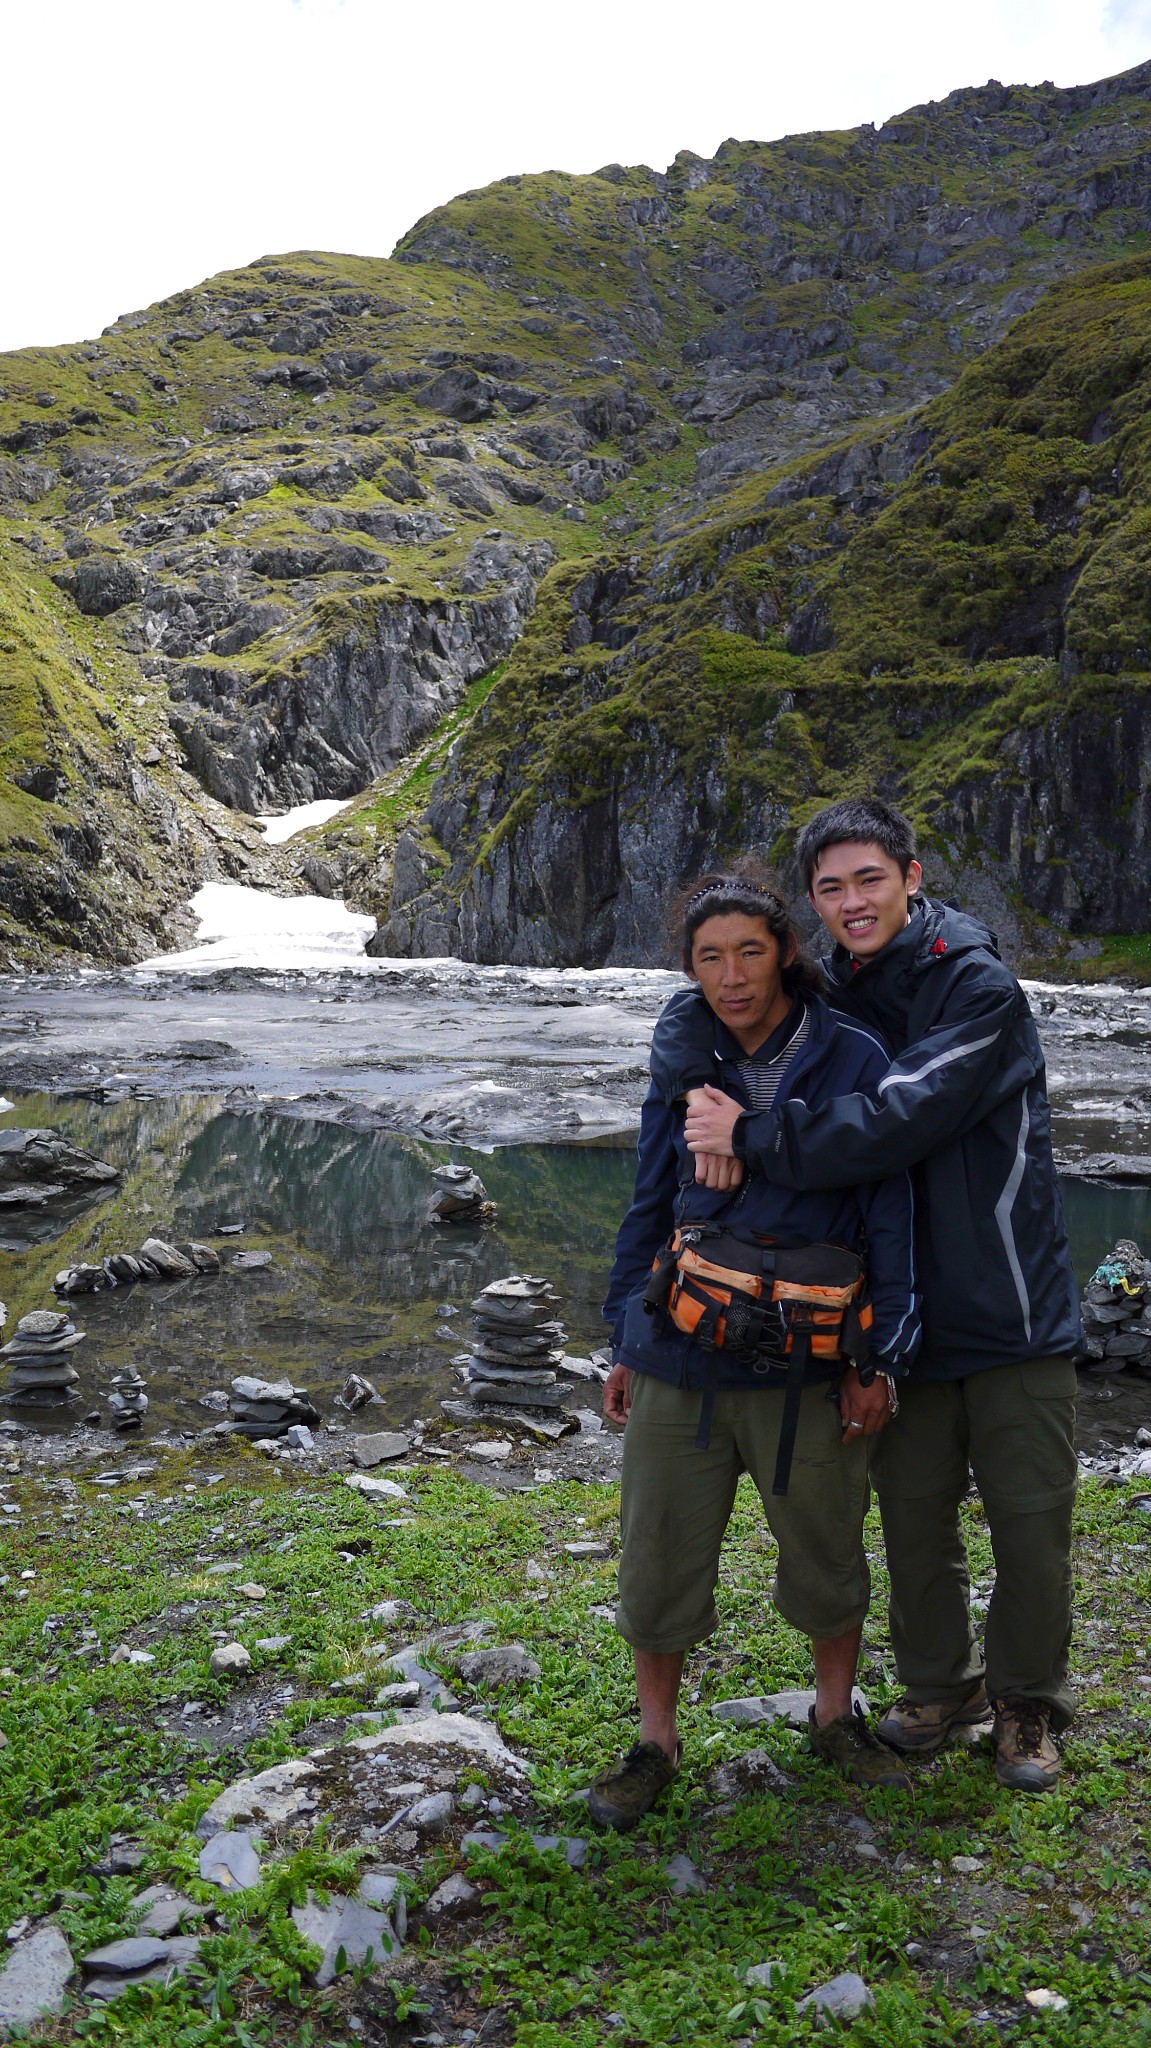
column 164, row 1909
column 44, row 1155
column 365, row 1935
column 791, row 1707
column 403, row 1693
column 270, row 1646
column 844, row 1997
column 753, row 1773
column 300, row 1438
column 118, row 1958
column 230, row 1860
column 683, row 1877
column 231, row 1660
column 383, row 1489
column 35, row 1977
column 122, row 1857
column 588, row 1551
column 430, row 1815
column 356, row 1392
column 763, row 1974
column 380, row 1446
column 455, row 1895
column 501, row 1665
column 382, row 1888
column 250, row 1262
column 273, row 1796
column 176, row 1955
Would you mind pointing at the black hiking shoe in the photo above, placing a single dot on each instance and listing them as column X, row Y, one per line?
column 620, row 1797
column 851, row 1745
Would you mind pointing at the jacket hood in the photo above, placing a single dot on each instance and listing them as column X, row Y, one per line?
column 934, row 932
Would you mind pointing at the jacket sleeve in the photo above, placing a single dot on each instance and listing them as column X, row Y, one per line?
column 975, row 1055
column 888, row 1208
column 683, row 1047
column 648, row 1222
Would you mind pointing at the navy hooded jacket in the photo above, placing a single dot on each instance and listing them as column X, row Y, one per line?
column 964, row 1105
column 836, row 1058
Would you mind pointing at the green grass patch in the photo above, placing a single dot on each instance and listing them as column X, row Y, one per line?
column 1060, row 1899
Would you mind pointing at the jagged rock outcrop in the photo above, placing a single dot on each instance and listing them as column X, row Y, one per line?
column 330, row 723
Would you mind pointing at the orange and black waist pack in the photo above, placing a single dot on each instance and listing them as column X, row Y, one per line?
column 768, row 1306
column 757, row 1300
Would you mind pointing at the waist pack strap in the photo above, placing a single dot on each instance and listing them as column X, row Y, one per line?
column 706, row 1411
column 793, row 1395
column 660, row 1279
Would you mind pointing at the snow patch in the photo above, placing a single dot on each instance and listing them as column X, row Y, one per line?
column 242, row 927
column 283, row 825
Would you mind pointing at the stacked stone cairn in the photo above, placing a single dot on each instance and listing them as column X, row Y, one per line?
column 127, row 1399
column 155, row 1260
column 40, row 1355
column 517, row 1345
column 1117, row 1314
column 267, row 1408
column 461, row 1197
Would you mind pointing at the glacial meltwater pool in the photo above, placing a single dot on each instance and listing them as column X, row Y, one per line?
column 359, row 1279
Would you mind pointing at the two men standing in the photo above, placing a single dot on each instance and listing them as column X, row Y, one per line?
column 963, row 1107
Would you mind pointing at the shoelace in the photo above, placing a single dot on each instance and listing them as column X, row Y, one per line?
column 1032, row 1725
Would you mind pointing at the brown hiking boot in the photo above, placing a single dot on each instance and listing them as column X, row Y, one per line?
column 1027, row 1756
column 620, row 1797
column 920, row 1727
column 850, row 1744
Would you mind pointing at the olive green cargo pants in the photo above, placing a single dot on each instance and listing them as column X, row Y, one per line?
column 1012, row 1429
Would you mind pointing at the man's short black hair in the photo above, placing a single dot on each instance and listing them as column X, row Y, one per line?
column 859, row 817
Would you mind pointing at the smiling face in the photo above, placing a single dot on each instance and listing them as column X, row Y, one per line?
column 738, row 965
column 862, row 896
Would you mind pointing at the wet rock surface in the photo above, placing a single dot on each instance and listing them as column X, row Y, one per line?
column 491, row 1054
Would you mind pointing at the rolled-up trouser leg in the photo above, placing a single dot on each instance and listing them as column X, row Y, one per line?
column 919, row 1469
column 1022, row 1434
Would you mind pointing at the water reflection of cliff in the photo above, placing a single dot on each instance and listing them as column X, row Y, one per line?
column 361, row 1198
column 357, row 1270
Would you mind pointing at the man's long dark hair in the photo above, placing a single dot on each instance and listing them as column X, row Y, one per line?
column 748, row 892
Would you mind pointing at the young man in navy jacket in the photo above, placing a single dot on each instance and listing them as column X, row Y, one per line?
column 964, row 1105
column 702, row 1404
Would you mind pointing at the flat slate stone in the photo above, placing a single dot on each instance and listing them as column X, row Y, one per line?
column 791, row 1707
column 345, row 1924
column 135, row 1952
column 498, row 1665
column 164, row 1910
column 178, row 1953
column 683, row 1878
column 34, row 1978
column 230, row 1861
column 843, row 1996
column 382, row 1444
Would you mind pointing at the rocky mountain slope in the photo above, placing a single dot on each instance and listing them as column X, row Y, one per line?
column 607, row 527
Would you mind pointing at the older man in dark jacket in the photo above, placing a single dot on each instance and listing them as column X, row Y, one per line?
column 964, row 1104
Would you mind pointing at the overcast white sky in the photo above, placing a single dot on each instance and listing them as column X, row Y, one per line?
column 145, row 144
